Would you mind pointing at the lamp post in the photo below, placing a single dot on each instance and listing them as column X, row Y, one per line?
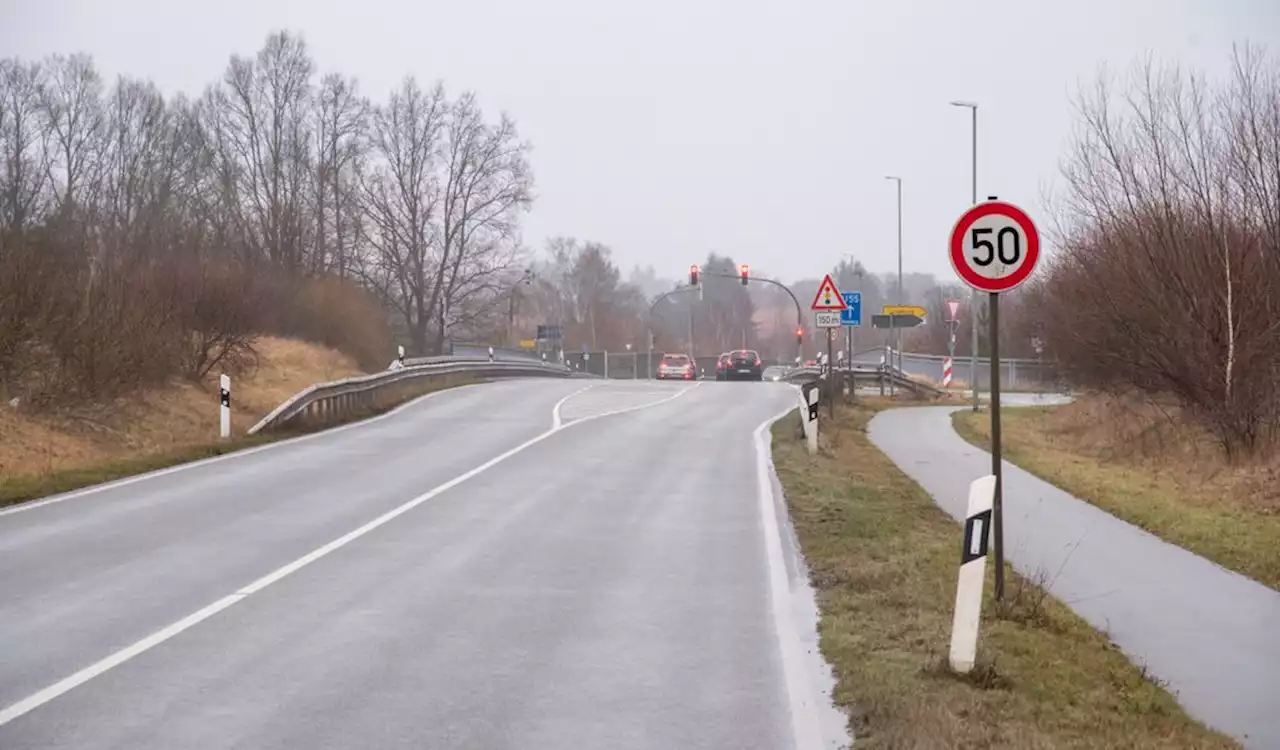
column 973, row 295
column 525, row 279
column 898, row 331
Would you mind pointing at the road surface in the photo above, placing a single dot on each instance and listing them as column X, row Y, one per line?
column 523, row 564
column 1209, row 633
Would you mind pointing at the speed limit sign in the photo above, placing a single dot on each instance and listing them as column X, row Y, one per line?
column 994, row 247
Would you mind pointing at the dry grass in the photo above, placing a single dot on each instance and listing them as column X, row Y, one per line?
column 162, row 425
column 884, row 559
column 1142, row 463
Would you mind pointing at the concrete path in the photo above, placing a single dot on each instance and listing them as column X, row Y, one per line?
column 1212, row 635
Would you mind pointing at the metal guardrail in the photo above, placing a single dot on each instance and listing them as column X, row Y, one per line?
column 328, row 402
column 880, row 376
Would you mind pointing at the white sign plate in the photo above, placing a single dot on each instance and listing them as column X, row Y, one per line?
column 827, row 318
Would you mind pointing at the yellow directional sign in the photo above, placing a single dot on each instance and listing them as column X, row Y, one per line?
column 915, row 310
column 528, row 344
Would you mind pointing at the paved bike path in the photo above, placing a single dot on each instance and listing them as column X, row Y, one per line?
column 1212, row 635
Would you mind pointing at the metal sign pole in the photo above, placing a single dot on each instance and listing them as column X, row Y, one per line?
column 831, row 374
column 996, row 462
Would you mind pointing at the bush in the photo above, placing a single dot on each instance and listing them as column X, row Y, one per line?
column 77, row 323
column 1166, row 281
column 221, row 315
column 339, row 314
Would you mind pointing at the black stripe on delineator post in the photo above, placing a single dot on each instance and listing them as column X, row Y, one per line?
column 976, row 534
column 224, row 397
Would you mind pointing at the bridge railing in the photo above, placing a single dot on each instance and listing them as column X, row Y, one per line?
column 339, row 400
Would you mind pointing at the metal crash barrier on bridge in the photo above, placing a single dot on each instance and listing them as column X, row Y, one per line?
column 337, row 401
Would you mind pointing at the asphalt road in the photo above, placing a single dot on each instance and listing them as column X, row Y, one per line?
column 524, row 564
column 1210, row 634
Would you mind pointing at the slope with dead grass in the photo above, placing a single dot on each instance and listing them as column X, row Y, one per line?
column 884, row 559
column 1144, row 463
column 73, row 446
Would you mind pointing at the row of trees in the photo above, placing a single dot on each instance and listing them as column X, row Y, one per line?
column 579, row 286
column 132, row 223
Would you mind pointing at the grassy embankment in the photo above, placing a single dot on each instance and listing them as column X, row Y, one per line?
column 1146, row 465
column 883, row 559
column 72, row 447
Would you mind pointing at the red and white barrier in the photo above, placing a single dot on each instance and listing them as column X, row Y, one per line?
column 946, row 372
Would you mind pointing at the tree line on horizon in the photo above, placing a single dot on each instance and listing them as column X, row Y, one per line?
column 144, row 236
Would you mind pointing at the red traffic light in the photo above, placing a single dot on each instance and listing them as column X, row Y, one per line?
column 799, row 333
column 745, row 270
column 693, row 275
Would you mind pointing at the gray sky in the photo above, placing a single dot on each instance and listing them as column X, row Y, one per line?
column 670, row 128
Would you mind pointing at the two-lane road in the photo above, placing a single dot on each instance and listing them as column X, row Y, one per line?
column 525, row 564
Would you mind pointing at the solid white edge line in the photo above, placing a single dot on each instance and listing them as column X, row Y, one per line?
column 802, row 698
column 65, row 685
column 126, row 481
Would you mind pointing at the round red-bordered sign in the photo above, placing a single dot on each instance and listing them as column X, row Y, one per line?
column 1000, row 252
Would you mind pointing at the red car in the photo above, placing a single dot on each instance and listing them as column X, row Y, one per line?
column 677, row 367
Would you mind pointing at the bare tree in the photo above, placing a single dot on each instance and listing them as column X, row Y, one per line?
column 341, row 116
column 260, row 115
column 72, row 102
column 402, row 198
column 487, row 184
column 23, row 160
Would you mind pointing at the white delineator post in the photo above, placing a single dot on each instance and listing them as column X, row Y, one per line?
column 809, row 416
column 973, row 569
column 224, row 408
column 400, row 355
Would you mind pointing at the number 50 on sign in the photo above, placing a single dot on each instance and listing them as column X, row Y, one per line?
column 994, row 247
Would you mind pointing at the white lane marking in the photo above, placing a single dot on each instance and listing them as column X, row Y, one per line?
column 32, row 505
column 801, row 696
column 225, row 456
column 34, row 701
column 556, row 421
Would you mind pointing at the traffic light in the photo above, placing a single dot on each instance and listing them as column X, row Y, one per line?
column 745, row 271
column 693, row 275
column 799, row 335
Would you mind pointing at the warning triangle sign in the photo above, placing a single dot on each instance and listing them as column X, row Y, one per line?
column 828, row 297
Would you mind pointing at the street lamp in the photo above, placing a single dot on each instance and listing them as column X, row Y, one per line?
column 897, row 330
column 973, row 295
column 525, row 279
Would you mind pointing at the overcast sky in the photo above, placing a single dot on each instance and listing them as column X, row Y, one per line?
column 670, row 128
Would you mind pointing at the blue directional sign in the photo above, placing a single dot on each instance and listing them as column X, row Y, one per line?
column 851, row 315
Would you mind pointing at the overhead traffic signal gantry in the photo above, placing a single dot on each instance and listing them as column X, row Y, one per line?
column 745, row 271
